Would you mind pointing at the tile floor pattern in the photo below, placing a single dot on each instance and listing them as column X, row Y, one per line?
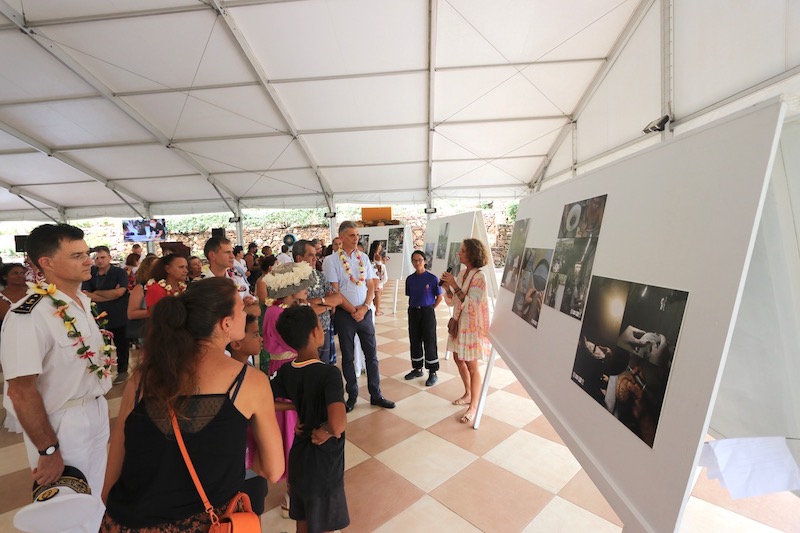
column 417, row 469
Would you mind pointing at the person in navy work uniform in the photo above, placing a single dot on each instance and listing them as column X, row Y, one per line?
column 424, row 295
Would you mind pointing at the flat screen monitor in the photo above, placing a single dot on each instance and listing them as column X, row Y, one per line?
column 142, row 229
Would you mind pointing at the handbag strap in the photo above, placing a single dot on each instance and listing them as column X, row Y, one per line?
column 467, row 282
column 178, row 437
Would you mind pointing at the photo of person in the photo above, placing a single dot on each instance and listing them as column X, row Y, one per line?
column 441, row 247
column 583, row 218
column 138, row 230
column 363, row 242
column 529, row 296
column 626, row 348
column 514, row 257
column 453, row 262
column 395, row 245
column 572, row 261
column 429, row 246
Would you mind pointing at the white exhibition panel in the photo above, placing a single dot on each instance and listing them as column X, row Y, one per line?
column 758, row 394
column 455, row 229
column 399, row 264
column 681, row 216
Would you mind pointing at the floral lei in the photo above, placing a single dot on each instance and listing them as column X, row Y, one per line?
column 163, row 284
column 109, row 359
column 346, row 263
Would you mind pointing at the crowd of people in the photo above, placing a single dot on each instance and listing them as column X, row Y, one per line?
column 209, row 337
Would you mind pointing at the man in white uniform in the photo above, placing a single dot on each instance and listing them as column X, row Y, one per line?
column 57, row 374
column 219, row 252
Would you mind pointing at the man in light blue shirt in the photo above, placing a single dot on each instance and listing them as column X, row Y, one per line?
column 351, row 273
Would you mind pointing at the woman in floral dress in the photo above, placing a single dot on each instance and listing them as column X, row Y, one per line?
column 467, row 294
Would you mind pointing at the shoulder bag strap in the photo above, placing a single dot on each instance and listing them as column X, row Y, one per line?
column 178, row 437
column 467, row 282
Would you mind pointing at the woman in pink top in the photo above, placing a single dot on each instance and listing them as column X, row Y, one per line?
column 286, row 286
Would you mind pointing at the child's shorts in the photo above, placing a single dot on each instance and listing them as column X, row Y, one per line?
column 326, row 512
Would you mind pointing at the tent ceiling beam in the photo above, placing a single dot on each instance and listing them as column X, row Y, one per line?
column 522, row 64
column 52, row 48
column 335, row 77
column 270, row 90
column 33, row 143
column 623, row 38
column 200, row 6
column 168, row 90
column 50, row 100
column 433, row 8
column 19, row 191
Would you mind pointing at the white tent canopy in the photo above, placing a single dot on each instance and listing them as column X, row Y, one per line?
column 153, row 107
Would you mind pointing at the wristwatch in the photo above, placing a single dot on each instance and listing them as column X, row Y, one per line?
column 50, row 450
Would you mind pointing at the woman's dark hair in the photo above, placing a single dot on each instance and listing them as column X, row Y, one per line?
column 145, row 267
column 476, row 252
column 132, row 259
column 45, row 240
column 419, row 253
column 295, row 325
column 373, row 249
column 175, row 333
column 238, row 248
column 6, row 269
column 159, row 270
column 265, row 262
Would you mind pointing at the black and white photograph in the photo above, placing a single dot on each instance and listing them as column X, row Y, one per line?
column 530, row 290
column 453, row 263
column 626, row 348
column 429, row 246
column 395, row 244
column 441, row 246
column 363, row 243
column 570, row 274
column 514, row 257
column 583, row 218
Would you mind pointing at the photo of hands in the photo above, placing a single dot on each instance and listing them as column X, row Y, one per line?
column 626, row 348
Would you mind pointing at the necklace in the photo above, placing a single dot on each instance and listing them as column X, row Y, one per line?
column 167, row 287
column 103, row 368
column 346, row 263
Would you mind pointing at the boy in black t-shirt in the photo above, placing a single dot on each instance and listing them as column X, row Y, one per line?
column 316, row 460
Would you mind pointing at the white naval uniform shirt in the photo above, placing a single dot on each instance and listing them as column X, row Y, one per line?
column 241, row 283
column 37, row 343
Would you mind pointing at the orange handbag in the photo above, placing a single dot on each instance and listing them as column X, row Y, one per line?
column 231, row 521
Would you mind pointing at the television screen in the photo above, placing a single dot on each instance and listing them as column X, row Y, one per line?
column 137, row 230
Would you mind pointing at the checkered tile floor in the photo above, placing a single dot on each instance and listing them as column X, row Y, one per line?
column 416, row 468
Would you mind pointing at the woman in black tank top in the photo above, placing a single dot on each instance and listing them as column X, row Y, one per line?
column 147, row 486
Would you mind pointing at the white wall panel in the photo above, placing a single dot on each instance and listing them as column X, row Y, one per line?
column 629, row 97
column 723, row 47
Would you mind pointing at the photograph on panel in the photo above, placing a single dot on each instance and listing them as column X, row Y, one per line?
column 395, row 245
column 570, row 274
column 626, row 348
column 514, row 257
column 441, row 247
column 582, row 219
column 531, row 285
column 429, row 246
column 363, row 243
column 453, row 262
column 382, row 248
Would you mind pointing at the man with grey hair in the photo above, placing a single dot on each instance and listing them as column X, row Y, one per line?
column 349, row 272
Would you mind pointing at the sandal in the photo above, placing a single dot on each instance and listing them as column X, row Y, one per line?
column 462, row 401
column 467, row 418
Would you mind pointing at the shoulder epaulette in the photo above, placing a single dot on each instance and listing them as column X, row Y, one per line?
column 27, row 306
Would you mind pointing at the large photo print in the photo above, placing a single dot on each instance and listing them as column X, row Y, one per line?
column 529, row 296
column 514, row 257
column 626, row 348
